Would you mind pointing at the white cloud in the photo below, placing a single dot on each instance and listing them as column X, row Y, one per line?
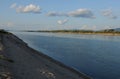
column 109, row 13
column 55, row 14
column 31, row 8
column 10, row 24
column 108, row 27
column 94, row 27
column 84, row 13
column 113, row 17
column 13, row 5
column 61, row 22
column 86, row 27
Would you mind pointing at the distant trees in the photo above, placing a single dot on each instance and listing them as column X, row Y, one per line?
column 109, row 30
column 112, row 31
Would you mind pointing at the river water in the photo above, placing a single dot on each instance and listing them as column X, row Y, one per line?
column 97, row 56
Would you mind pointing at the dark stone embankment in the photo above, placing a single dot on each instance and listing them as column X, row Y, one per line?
column 19, row 61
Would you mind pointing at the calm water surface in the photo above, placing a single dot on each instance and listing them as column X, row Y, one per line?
column 95, row 55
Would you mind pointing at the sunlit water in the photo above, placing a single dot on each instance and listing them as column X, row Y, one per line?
column 95, row 55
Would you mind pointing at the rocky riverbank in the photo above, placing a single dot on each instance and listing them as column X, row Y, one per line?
column 19, row 61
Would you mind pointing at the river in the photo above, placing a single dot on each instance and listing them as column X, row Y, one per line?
column 97, row 56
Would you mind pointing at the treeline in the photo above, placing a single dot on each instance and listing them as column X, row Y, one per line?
column 79, row 31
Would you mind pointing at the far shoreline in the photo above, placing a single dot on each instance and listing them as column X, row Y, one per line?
column 103, row 34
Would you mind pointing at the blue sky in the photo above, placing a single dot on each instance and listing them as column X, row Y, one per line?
column 59, row 14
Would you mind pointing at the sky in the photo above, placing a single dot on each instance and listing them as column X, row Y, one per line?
column 59, row 14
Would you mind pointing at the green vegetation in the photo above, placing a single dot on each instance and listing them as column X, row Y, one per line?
column 106, row 31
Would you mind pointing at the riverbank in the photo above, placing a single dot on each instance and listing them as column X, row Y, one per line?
column 104, row 34
column 110, row 32
column 31, row 64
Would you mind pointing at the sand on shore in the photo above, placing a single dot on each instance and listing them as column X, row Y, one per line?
column 30, row 64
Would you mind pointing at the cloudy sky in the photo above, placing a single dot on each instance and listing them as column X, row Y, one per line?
column 59, row 14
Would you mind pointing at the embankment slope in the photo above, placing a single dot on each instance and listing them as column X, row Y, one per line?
column 31, row 64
